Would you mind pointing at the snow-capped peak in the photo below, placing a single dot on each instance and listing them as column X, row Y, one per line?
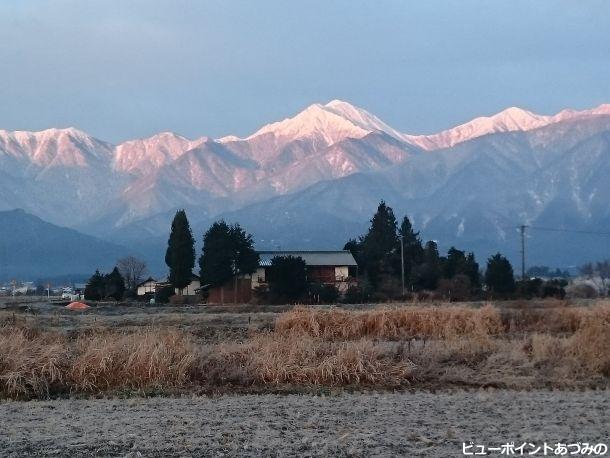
column 316, row 121
column 603, row 109
column 328, row 123
column 508, row 120
column 68, row 147
column 361, row 118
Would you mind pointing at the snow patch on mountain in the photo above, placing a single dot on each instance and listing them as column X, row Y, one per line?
column 147, row 154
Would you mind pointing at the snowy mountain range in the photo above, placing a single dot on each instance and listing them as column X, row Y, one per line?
column 315, row 179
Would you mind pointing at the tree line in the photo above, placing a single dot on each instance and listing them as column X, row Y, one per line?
column 389, row 252
column 228, row 253
column 393, row 263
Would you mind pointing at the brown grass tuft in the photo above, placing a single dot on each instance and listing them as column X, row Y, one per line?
column 141, row 360
column 31, row 364
column 303, row 360
column 391, row 323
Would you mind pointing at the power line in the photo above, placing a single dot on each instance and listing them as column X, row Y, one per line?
column 522, row 228
column 575, row 231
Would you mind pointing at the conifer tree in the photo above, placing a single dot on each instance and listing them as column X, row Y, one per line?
column 454, row 263
column 430, row 270
column 499, row 276
column 114, row 285
column 380, row 245
column 413, row 250
column 459, row 262
column 95, row 288
column 472, row 271
column 228, row 251
column 180, row 254
column 245, row 257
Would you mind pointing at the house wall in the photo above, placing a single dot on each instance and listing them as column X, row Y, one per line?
column 231, row 293
column 341, row 273
column 323, row 274
column 190, row 290
column 258, row 277
column 148, row 287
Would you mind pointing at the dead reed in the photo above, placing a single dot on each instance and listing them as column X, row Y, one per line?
column 298, row 360
column 381, row 348
column 396, row 323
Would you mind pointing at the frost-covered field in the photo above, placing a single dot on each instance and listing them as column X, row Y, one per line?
column 370, row 424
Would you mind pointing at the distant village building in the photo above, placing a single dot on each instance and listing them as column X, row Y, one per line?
column 148, row 286
column 79, row 288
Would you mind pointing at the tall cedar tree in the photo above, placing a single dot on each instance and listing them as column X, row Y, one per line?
column 499, row 275
column 288, row 278
column 429, row 272
column 413, row 250
column 379, row 245
column 228, row 251
column 180, row 254
column 472, row 271
column 114, row 285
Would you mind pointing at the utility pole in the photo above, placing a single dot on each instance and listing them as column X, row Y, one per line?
column 402, row 263
column 522, row 229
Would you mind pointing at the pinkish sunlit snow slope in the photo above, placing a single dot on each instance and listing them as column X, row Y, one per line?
column 67, row 177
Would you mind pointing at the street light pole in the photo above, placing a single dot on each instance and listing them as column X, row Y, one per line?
column 402, row 263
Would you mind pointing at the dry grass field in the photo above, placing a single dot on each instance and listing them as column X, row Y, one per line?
column 47, row 351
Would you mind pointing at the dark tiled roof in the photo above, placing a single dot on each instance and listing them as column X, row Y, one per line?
column 311, row 258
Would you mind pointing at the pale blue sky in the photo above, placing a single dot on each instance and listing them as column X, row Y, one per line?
column 124, row 69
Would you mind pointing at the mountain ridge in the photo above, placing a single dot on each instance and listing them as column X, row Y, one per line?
column 72, row 179
column 33, row 248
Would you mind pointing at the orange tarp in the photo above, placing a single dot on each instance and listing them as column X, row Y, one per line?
column 77, row 306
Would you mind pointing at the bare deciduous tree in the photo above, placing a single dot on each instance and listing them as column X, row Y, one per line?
column 598, row 274
column 133, row 270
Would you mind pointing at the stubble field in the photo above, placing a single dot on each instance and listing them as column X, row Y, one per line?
column 372, row 380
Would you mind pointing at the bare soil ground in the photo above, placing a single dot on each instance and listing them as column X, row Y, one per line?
column 210, row 323
column 363, row 424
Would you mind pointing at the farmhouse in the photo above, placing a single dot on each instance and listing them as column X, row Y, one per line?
column 193, row 287
column 327, row 267
column 150, row 286
column 336, row 268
